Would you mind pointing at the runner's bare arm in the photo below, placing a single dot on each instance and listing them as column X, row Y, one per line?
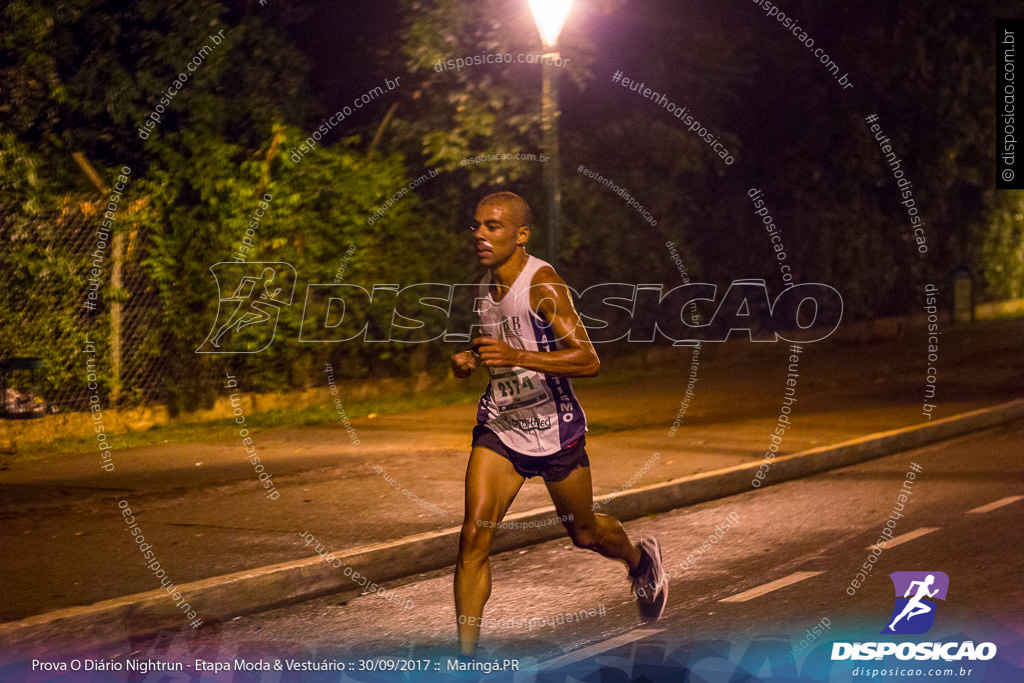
column 550, row 297
column 464, row 362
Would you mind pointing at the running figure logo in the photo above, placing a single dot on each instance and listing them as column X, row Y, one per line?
column 914, row 612
column 247, row 319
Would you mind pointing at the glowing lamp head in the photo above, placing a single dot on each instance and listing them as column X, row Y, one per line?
column 550, row 16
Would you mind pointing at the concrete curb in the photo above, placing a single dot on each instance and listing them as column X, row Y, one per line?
column 222, row 597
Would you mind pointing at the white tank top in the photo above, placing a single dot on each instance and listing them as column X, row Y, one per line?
column 531, row 412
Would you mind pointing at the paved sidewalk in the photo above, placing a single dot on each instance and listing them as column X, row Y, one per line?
column 204, row 512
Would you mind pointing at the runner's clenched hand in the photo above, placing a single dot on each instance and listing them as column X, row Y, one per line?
column 495, row 353
column 463, row 364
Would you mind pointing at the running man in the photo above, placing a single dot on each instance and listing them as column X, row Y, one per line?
column 529, row 422
column 916, row 604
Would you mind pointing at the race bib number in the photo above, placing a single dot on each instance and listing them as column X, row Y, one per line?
column 515, row 388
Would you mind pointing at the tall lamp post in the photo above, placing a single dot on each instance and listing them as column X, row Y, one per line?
column 550, row 16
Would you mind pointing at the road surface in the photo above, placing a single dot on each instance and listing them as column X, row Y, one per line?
column 782, row 571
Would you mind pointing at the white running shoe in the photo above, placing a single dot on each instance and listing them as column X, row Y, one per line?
column 650, row 585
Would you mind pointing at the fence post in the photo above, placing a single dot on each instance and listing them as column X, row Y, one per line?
column 116, row 284
column 117, row 252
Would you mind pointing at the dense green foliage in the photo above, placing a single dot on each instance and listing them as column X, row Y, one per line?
column 221, row 144
column 82, row 76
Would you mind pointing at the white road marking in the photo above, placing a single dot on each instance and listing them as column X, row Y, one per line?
column 909, row 536
column 769, row 587
column 998, row 504
column 598, row 648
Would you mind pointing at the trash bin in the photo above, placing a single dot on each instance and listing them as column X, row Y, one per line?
column 963, row 296
column 20, row 404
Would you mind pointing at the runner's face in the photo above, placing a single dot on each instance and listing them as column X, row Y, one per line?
column 495, row 234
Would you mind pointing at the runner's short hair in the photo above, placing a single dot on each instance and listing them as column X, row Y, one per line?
column 521, row 210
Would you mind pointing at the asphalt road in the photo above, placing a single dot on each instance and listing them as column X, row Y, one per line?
column 202, row 508
column 783, row 568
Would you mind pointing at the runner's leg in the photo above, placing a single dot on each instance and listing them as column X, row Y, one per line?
column 574, row 498
column 491, row 486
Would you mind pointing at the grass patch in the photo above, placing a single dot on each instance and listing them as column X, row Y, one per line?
column 219, row 430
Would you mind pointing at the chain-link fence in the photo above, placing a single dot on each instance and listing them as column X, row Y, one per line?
column 77, row 296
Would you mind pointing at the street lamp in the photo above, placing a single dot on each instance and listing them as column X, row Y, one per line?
column 550, row 16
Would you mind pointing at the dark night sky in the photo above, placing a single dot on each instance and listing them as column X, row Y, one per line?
column 345, row 43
